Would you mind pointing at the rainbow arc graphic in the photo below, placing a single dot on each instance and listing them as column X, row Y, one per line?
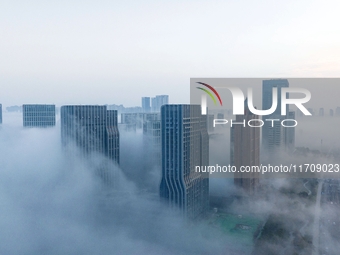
column 212, row 93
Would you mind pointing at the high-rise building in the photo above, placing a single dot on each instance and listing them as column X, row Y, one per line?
column 210, row 122
column 38, row 115
column 331, row 112
column 245, row 150
column 158, row 101
column 0, row 113
column 289, row 134
column 273, row 134
column 185, row 144
column 267, row 94
column 220, row 115
column 146, row 106
column 132, row 121
column 93, row 130
column 152, row 138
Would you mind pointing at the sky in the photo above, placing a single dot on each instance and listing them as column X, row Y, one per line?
column 115, row 52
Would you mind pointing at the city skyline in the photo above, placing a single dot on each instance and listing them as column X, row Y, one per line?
column 187, row 131
column 142, row 127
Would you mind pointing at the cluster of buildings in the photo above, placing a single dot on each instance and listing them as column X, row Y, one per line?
column 245, row 141
column 154, row 104
column 180, row 139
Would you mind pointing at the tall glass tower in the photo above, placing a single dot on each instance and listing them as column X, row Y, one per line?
column 93, row 130
column 273, row 134
column 146, row 106
column 185, row 144
column 245, row 151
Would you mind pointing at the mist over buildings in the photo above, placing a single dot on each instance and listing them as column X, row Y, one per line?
column 49, row 207
column 52, row 207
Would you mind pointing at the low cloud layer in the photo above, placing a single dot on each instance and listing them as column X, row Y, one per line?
column 51, row 207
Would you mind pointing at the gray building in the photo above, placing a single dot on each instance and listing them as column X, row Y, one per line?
column 245, row 151
column 289, row 133
column 146, row 104
column 93, row 130
column 132, row 121
column 158, row 101
column 210, row 122
column 38, row 115
column 273, row 134
column 152, row 138
column 220, row 115
column 185, row 144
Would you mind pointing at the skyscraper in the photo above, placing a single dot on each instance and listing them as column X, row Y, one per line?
column 290, row 133
column 245, row 150
column 152, row 138
column 210, row 122
column 273, row 134
column 132, row 121
column 146, row 104
column 185, row 144
column 158, row 101
column 92, row 129
column 38, row 115
column 267, row 94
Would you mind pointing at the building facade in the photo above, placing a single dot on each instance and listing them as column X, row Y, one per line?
column 185, row 144
column 146, row 104
column 245, row 151
column 132, row 121
column 93, row 130
column 274, row 134
column 152, row 138
column 158, row 101
column 38, row 115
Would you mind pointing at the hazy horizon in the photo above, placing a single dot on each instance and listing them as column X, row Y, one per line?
column 114, row 53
